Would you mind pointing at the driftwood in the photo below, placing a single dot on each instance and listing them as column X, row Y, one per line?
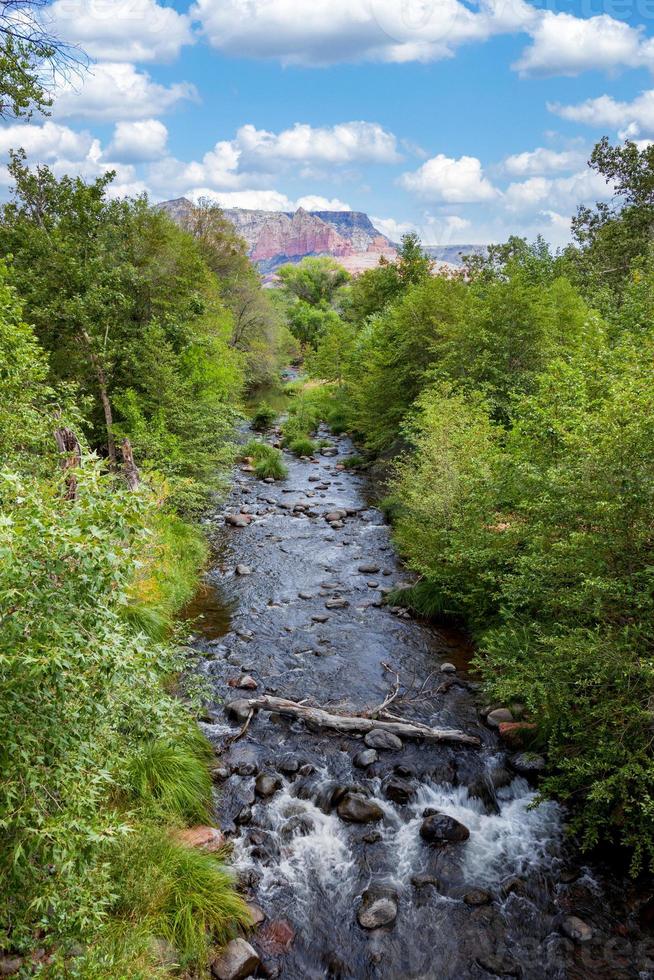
column 71, row 457
column 358, row 724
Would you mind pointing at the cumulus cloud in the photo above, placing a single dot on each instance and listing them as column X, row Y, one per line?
column 138, row 141
column 542, row 161
column 116, row 91
column 331, row 31
column 45, row 143
column 343, row 143
column 266, row 200
column 567, row 45
column 454, row 181
column 633, row 117
column 129, row 30
column 562, row 194
column 314, row 202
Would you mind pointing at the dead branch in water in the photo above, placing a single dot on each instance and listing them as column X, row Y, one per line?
column 358, row 724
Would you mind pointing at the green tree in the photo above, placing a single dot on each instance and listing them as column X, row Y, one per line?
column 313, row 280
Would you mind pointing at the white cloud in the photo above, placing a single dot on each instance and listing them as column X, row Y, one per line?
column 454, row 181
column 567, row 45
column 314, row 202
column 130, row 30
column 265, row 200
column 116, row 91
column 45, row 143
column 343, row 143
column 633, row 117
column 393, row 229
column 562, row 194
column 138, row 141
column 542, row 161
column 331, row 31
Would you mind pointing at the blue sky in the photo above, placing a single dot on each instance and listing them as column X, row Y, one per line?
column 466, row 121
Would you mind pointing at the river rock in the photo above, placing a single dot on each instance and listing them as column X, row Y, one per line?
column 498, row 965
column 237, row 961
column 208, row 839
column 247, row 683
column 366, row 758
column 238, row 520
column 289, row 765
column 244, row 816
column 448, row 668
column 369, row 568
column 243, row 570
column 440, row 829
column 266, row 785
column 305, row 595
column 378, row 908
column 496, row 717
column 320, row 618
column 219, row 774
column 378, row 738
column 257, row 914
column 477, row 896
column 576, row 929
column 238, row 710
column 337, row 603
column 355, row 808
column 528, row 763
column 398, row 790
column 425, row 881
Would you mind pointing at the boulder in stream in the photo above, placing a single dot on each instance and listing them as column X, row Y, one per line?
column 238, row 710
column 440, row 829
column 497, row 716
column 576, row 929
column 237, row 961
column 243, row 570
column 398, row 790
column 266, row 785
column 378, row 908
column 355, row 808
column 378, row 738
column 366, row 758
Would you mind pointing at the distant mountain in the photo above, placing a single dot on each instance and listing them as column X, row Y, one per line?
column 276, row 237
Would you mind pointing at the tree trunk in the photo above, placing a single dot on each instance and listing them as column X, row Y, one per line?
column 101, row 378
column 129, row 466
column 71, row 458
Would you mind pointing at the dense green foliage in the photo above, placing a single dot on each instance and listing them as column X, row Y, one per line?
column 517, row 405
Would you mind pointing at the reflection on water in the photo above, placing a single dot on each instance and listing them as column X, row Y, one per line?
column 209, row 612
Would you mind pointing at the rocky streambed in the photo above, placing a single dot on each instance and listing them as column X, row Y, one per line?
column 373, row 856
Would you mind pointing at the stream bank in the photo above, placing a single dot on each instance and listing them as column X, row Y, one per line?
column 329, row 846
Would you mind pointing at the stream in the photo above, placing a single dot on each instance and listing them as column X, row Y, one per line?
column 498, row 904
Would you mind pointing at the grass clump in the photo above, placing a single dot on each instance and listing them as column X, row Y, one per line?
column 303, row 446
column 264, row 416
column 271, row 465
column 183, row 895
column 173, row 777
column 351, row 462
column 256, row 450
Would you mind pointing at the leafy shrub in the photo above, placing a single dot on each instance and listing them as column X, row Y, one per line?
column 263, row 417
column 352, row 462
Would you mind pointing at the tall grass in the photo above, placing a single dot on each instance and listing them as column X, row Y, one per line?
column 303, row 446
column 173, row 778
column 263, row 417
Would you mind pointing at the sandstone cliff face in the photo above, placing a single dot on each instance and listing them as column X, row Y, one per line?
column 276, row 237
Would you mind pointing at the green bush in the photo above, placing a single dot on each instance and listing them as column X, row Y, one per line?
column 263, row 417
column 352, row 462
column 172, row 777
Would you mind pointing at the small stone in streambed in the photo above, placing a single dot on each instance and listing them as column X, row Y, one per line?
column 425, row 881
column 257, row 915
column 238, row 520
column 448, row 668
column 238, row 710
column 373, row 837
column 243, row 570
column 398, row 790
column 269, row 479
column 497, row 716
column 219, row 774
column 576, row 929
column 237, row 961
column 498, row 965
column 355, row 808
column 477, row 896
column 372, row 584
column 378, row 908
column 247, row 683
column 243, row 816
column 289, row 766
column 266, row 785
column 378, row 738
column 366, row 758
column 369, row 568
column 527, row 763
column 320, row 618
column 439, row 829
column 337, row 603
column 246, row 767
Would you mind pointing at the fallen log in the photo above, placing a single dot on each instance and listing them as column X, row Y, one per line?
column 357, row 724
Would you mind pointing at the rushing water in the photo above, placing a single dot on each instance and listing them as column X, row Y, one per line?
column 299, row 861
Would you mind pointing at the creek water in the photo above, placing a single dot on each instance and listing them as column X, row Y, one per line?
column 303, row 865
